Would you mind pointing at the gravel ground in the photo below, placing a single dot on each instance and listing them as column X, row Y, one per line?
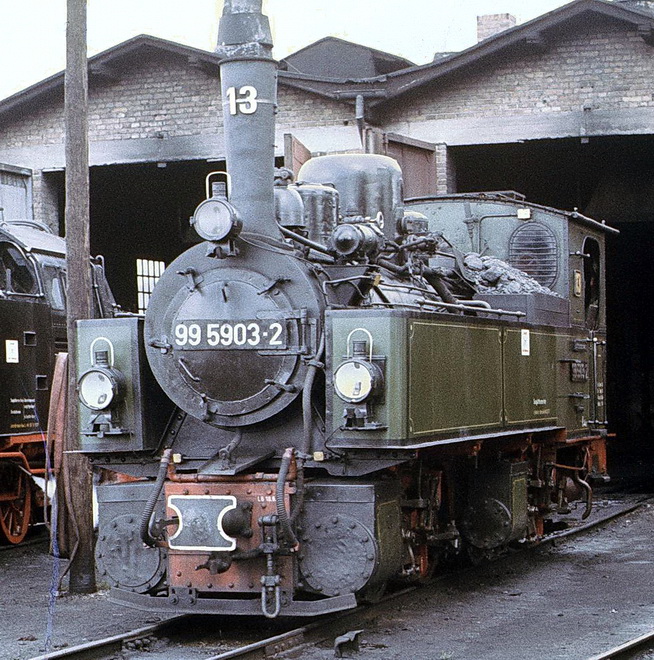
column 566, row 601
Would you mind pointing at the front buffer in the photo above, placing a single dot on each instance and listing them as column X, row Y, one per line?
column 225, row 556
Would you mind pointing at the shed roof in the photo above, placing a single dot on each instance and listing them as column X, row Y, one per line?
column 532, row 35
column 337, row 58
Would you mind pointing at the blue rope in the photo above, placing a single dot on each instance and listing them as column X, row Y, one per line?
column 53, row 591
column 54, row 580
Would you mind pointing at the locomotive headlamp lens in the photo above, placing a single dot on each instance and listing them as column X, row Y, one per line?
column 216, row 219
column 355, row 380
column 98, row 388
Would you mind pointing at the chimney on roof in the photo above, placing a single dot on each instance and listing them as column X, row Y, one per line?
column 489, row 25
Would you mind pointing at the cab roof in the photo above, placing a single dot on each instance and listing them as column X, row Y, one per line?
column 33, row 237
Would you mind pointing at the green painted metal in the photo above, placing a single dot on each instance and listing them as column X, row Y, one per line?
column 388, row 332
column 530, row 383
column 454, row 378
column 136, row 428
column 573, row 381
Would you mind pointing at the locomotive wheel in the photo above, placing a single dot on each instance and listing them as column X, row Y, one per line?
column 427, row 561
column 15, row 513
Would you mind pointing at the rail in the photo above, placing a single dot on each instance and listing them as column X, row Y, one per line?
column 626, row 650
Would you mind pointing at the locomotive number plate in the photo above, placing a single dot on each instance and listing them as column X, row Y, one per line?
column 247, row 334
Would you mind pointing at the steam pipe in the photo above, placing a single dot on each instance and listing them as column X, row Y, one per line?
column 588, row 492
column 282, row 514
column 307, row 418
column 440, row 286
column 318, row 247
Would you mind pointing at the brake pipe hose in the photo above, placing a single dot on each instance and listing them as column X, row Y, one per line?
column 146, row 537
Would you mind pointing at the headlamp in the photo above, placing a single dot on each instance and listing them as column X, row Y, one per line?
column 216, row 219
column 100, row 387
column 357, row 240
column 355, row 380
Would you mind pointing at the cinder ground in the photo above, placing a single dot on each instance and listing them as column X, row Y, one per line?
column 33, row 620
column 568, row 601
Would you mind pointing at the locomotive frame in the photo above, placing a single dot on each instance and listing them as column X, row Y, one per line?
column 327, row 393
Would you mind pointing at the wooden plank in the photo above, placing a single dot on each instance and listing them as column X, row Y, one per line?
column 295, row 153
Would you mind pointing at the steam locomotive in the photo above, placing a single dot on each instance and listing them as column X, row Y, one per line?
column 32, row 332
column 335, row 388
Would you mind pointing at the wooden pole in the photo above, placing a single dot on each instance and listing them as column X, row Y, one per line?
column 77, row 477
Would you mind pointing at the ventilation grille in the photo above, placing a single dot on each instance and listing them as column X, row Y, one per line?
column 533, row 250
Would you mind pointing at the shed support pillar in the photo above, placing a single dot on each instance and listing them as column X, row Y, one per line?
column 445, row 170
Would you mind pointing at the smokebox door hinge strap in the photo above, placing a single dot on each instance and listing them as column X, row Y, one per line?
column 282, row 387
column 271, row 284
column 162, row 344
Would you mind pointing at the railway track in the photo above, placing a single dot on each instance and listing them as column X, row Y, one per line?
column 212, row 638
column 179, row 638
column 639, row 648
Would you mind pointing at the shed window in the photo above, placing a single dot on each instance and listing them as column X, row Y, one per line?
column 147, row 274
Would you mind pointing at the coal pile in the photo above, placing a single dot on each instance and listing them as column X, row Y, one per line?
column 492, row 275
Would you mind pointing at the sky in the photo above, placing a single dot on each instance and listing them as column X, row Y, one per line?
column 33, row 32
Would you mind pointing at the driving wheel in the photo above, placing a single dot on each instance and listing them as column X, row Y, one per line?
column 15, row 505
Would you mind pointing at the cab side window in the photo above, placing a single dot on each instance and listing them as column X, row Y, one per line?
column 54, row 282
column 591, row 251
column 16, row 272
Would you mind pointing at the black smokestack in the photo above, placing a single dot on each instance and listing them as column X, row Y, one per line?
column 248, row 78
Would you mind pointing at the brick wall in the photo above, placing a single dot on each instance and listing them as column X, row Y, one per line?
column 598, row 65
column 603, row 67
column 158, row 94
column 445, row 171
column 154, row 95
column 296, row 108
column 45, row 199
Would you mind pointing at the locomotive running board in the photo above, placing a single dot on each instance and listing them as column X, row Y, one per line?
column 251, row 607
column 345, row 443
